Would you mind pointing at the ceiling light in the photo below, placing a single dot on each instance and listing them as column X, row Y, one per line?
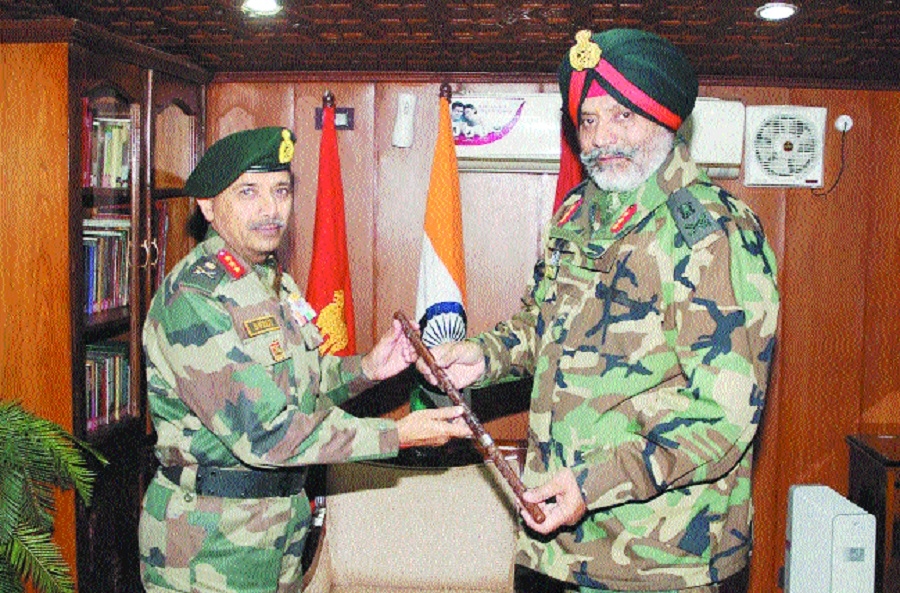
column 776, row 11
column 261, row 7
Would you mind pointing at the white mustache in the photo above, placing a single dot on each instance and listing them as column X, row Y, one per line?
column 599, row 153
column 258, row 225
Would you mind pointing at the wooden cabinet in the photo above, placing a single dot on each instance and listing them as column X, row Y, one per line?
column 98, row 135
column 874, row 486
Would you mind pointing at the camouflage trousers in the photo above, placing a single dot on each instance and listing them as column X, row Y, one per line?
column 195, row 544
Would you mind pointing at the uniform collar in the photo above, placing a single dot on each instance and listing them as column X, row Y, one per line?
column 596, row 217
column 214, row 246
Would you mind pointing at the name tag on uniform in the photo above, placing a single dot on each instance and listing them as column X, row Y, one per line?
column 260, row 325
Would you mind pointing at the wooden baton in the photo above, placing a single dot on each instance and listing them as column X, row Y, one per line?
column 488, row 447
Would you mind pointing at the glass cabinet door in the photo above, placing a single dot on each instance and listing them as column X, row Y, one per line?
column 110, row 131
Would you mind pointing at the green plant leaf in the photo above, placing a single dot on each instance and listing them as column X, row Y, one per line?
column 37, row 457
column 10, row 581
column 35, row 557
column 12, row 498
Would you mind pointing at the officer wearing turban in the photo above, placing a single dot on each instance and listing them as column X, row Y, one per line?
column 649, row 330
column 241, row 399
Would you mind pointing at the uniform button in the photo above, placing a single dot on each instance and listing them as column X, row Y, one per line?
column 188, row 496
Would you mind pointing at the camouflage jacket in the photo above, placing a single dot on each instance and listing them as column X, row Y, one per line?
column 234, row 376
column 649, row 328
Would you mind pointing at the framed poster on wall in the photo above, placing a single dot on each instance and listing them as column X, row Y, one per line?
column 519, row 133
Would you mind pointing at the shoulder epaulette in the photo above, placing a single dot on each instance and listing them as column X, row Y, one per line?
column 692, row 218
column 578, row 189
column 570, row 203
column 204, row 275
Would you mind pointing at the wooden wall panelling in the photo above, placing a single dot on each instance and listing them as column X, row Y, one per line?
column 879, row 165
column 402, row 176
column 768, row 525
column 35, row 242
column 824, row 287
column 240, row 106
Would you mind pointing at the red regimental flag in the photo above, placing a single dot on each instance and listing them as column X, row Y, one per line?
column 328, row 288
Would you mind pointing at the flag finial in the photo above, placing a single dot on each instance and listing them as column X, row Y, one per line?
column 446, row 91
column 328, row 99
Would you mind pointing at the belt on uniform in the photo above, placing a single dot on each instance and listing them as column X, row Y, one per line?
column 239, row 483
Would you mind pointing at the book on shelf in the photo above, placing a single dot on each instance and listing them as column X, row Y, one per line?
column 107, row 384
column 106, row 266
column 110, row 141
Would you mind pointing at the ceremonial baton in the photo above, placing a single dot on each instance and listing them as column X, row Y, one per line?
column 489, row 449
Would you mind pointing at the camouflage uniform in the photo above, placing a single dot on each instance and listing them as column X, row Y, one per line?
column 650, row 349
column 235, row 381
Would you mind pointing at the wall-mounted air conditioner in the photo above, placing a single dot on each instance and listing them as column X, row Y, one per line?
column 518, row 133
column 784, row 146
column 715, row 133
column 830, row 543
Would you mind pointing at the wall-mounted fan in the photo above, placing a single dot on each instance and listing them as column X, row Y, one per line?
column 783, row 145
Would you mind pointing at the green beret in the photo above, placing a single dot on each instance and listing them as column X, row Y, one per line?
column 262, row 149
column 640, row 70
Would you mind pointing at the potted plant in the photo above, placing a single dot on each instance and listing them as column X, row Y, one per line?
column 37, row 457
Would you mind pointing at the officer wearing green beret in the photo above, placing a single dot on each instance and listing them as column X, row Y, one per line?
column 649, row 329
column 239, row 395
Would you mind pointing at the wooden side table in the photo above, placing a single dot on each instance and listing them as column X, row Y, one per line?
column 874, row 486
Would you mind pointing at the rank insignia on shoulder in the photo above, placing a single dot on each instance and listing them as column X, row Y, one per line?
column 277, row 351
column 206, row 268
column 234, row 267
column 623, row 219
column 204, row 275
column 693, row 220
column 570, row 212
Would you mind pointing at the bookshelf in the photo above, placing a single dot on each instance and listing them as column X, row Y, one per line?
column 99, row 135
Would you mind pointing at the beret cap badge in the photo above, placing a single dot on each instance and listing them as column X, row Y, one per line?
column 585, row 53
column 286, row 149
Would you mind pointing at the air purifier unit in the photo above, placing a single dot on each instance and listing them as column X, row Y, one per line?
column 830, row 543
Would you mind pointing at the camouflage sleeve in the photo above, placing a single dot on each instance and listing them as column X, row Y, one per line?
column 341, row 379
column 266, row 415
column 509, row 348
column 724, row 312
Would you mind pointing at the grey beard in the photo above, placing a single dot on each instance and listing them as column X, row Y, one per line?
column 645, row 160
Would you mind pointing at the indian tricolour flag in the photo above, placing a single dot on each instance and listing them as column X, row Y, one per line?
column 441, row 293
